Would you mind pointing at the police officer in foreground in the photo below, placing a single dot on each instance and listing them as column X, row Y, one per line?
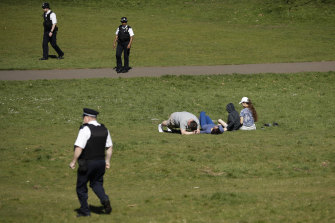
column 93, row 151
column 50, row 32
column 124, row 38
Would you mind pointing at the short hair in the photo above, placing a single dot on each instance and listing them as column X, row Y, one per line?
column 193, row 125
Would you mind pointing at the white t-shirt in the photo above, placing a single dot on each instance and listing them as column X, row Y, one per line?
column 130, row 30
column 85, row 134
column 52, row 16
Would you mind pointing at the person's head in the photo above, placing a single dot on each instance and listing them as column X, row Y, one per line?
column 230, row 107
column 246, row 103
column 124, row 21
column 216, row 130
column 45, row 6
column 192, row 125
column 89, row 115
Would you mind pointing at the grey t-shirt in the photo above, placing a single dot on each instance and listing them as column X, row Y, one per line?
column 180, row 119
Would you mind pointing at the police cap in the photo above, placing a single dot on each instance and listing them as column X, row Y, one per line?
column 90, row 112
column 45, row 5
column 124, row 20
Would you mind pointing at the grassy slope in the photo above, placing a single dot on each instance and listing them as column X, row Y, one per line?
column 169, row 33
column 282, row 174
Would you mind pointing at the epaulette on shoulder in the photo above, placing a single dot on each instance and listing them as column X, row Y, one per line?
column 83, row 125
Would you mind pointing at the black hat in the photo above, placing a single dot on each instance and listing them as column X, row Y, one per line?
column 45, row 5
column 124, row 20
column 90, row 112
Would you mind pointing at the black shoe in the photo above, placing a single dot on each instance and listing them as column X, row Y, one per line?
column 61, row 57
column 275, row 124
column 125, row 70
column 43, row 58
column 80, row 214
column 107, row 206
column 118, row 70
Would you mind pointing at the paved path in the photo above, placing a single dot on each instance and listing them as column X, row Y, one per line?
column 159, row 71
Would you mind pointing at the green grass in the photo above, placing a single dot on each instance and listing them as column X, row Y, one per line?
column 276, row 174
column 170, row 33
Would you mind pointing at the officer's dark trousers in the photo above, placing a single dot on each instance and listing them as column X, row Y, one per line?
column 122, row 47
column 94, row 174
column 53, row 41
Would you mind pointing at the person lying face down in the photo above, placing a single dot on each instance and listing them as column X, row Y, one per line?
column 187, row 122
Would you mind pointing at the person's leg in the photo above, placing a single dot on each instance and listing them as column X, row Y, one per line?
column 81, row 189
column 45, row 45
column 54, row 44
column 97, row 178
column 202, row 119
column 118, row 55
column 209, row 120
column 126, row 56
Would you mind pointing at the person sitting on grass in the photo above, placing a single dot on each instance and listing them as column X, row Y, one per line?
column 233, row 119
column 207, row 125
column 248, row 115
column 187, row 122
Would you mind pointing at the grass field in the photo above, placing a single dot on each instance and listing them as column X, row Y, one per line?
column 276, row 174
column 170, row 33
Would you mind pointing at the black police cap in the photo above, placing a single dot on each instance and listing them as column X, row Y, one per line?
column 90, row 112
column 124, row 19
column 45, row 5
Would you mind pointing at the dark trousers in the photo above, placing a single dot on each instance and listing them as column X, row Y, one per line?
column 122, row 47
column 53, row 41
column 95, row 173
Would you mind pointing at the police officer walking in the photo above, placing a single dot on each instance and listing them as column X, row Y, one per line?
column 50, row 32
column 92, row 141
column 124, row 38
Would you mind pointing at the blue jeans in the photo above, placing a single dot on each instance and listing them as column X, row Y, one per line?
column 205, row 119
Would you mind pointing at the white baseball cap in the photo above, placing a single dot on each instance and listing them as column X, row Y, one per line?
column 244, row 99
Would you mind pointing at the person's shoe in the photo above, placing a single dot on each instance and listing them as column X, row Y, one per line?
column 124, row 70
column 160, row 128
column 61, row 57
column 107, row 207
column 80, row 214
column 118, row 70
column 169, row 130
column 43, row 58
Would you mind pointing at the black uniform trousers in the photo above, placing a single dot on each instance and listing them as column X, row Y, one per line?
column 94, row 174
column 53, row 41
column 122, row 47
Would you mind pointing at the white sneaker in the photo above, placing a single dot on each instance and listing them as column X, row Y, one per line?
column 160, row 128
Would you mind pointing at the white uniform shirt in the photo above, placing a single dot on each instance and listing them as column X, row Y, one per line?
column 85, row 133
column 130, row 30
column 52, row 16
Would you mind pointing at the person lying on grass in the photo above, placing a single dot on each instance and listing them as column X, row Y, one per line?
column 207, row 125
column 187, row 122
column 248, row 115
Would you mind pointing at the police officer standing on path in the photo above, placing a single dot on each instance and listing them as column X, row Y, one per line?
column 124, row 38
column 50, row 32
column 92, row 141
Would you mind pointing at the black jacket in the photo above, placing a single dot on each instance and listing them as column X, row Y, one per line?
column 233, row 118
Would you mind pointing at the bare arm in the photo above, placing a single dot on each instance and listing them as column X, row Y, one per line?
column 184, row 132
column 241, row 120
column 52, row 29
column 130, row 42
column 109, row 153
column 76, row 154
column 115, row 40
